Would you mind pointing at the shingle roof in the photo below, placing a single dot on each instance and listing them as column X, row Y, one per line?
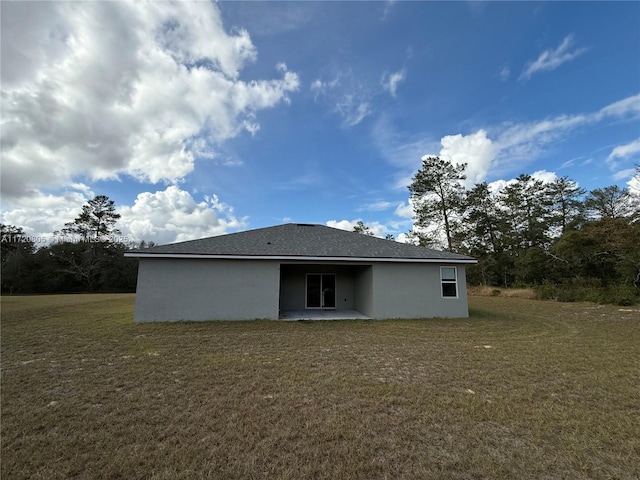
column 300, row 240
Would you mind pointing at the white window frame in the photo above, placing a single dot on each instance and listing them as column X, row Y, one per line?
column 444, row 281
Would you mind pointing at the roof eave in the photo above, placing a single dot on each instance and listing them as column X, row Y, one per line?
column 302, row 258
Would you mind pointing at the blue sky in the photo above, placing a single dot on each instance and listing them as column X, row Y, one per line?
column 203, row 118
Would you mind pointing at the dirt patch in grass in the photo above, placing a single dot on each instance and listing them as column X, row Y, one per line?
column 522, row 389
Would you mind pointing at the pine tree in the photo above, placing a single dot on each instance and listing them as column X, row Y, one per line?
column 438, row 195
column 97, row 220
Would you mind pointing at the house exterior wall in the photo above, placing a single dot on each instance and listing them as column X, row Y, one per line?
column 363, row 290
column 185, row 289
column 217, row 289
column 413, row 290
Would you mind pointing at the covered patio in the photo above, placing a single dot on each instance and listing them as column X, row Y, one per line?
column 325, row 291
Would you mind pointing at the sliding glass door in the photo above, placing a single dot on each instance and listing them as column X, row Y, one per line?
column 321, row 290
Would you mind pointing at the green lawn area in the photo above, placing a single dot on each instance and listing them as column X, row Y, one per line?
column 522, row 389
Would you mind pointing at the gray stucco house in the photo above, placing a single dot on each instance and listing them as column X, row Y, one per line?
column 286, row 270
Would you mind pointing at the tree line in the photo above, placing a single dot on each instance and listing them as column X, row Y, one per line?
column 87, row 255
column 567, row 242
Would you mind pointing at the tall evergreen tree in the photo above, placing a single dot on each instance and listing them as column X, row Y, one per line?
column 484, row 235
column 438, row 194
column 610, row 202
column 362, row 229
column 526, row 204
column 97, row 220
column 86, row 259
column 568, row 208
column 484, row 221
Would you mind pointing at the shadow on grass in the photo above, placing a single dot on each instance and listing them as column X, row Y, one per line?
column 485, row 317
column 482, row 314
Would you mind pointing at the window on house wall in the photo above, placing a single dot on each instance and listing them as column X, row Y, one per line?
column 449, row 280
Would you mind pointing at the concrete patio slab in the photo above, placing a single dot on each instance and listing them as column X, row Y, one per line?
column 295, row 315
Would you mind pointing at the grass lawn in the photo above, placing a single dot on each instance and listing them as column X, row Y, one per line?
column 523, row 389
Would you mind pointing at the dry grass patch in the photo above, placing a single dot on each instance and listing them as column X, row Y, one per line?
column 522, row 389
column 484, row 291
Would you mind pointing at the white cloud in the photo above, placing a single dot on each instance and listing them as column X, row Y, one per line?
column 504, row 74
column 165, row 216
column 350, row 98
column 404, row 210
column 31, row 37
column 320, row 87
column 353, row 110
column 553, row 58
column 397, row 227
column 378, row 206
column 623, row 174
column 523, row 142
column 41, row 214
column 622, row 156
column 544, row 176
column 346, row 96
column 476, row 150
column 498, row 149
column 629, row 106
column 343, row 224
column 567, row 164
column 497, row 186
column 101, row 89
column 173, row 215
column 481, row 154
column 634, row 184
column 376, row 228
column 624, row 151
column 390, row 81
